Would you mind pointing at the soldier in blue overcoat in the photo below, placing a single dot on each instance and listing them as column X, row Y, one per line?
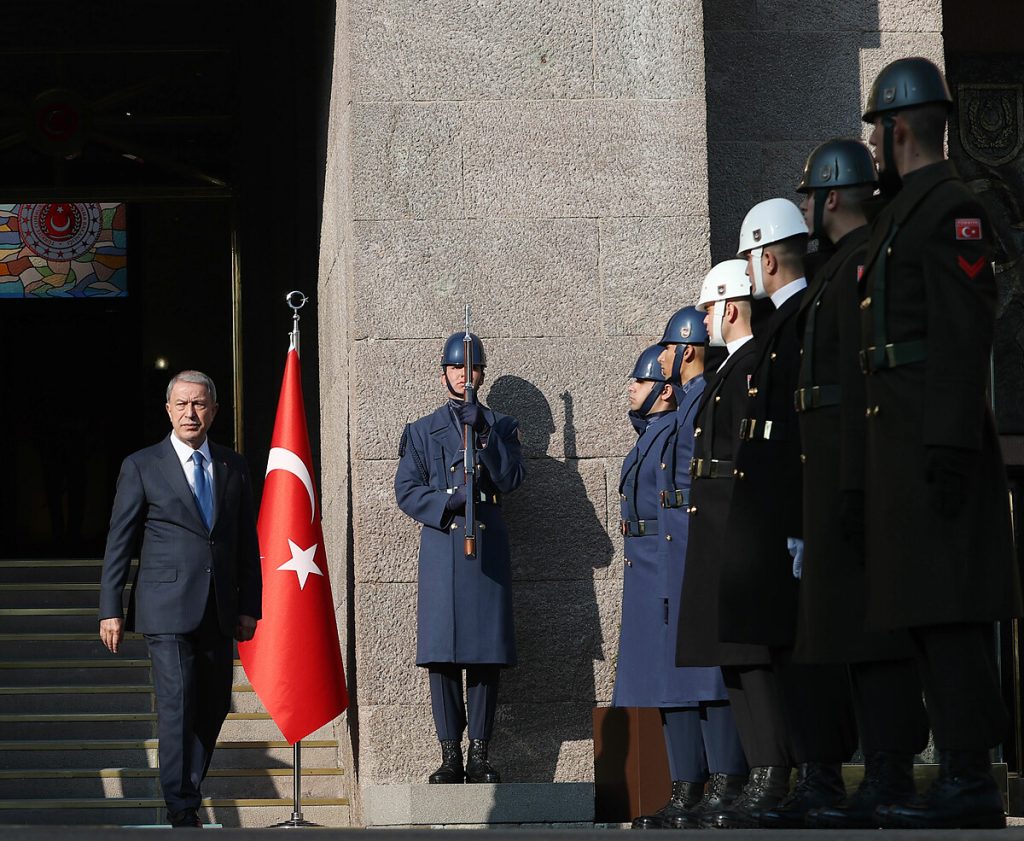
column 655, row 543
column 464, row 604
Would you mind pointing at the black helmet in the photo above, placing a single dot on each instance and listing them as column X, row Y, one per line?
column 685, row 327
column 905, row 83
column 454, row 352
column 840, row 162
column 647, row 366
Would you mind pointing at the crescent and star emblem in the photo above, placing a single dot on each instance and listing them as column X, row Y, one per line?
column 302, row 562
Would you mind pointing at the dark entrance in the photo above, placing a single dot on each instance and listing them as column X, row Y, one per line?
column 985, row 71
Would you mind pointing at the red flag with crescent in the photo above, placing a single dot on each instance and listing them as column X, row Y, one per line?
column 294, row 660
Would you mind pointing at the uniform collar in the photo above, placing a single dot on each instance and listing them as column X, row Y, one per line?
column 184, row 452
column 780, row 296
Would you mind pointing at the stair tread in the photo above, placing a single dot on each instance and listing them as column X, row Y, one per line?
column 146, row 744
column 137, row 802
column 150, row 716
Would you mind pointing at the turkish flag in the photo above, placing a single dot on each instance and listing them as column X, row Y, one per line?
column 294, row 660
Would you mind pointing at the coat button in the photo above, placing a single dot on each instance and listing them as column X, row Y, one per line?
column 629, row 563
column 876, row 410
column 207, row 570
column 751, row 392
column 453, row 468
column 774, row 356
column 801, row 351
column 865, row 303
column 817, row 303
column 663, row 465
column 888, row 251
column 692, row 510
column 696, row 432
column 453, row 525
column 718, row 397
column 803, row 458
column 668, row 537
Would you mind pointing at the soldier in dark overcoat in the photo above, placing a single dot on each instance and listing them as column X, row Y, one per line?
column 940, row 555
column 725, row 299
column 758, row 596
column 464, row 604
column 839, row 178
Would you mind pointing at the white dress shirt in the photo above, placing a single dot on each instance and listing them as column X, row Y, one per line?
column 184, row 453
column 780, row 296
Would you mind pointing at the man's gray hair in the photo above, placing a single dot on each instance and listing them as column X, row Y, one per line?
column 197, row 377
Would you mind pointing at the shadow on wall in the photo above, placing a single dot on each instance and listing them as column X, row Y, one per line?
column 797, row 86
column 558, row 538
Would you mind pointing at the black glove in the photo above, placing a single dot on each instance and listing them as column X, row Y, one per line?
column 456, row 500
column 851, row 519
column 946, row 472
column 472, row 414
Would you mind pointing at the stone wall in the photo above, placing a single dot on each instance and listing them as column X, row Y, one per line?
column 785, row 75
column 548, row 161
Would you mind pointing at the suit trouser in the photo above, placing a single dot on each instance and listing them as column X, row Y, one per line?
column 192, row 678
column 817, row 707
column 888, row 706
column 448, row 707
column 958, row 671
column 756, row 705
column 702, row 739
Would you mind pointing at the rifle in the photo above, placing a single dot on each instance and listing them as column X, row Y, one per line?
column 469, row 445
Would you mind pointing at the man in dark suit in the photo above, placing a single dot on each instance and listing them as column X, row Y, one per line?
column 464, row 604
column 758, row 596
column 940, row 554
column 839, row 179
column 185, row 506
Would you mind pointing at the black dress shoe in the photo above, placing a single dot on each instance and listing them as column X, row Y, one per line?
column 818, row 785
column 722, row 790
column 185, row 819
column 685, row 796
column 764, row 790
column 478, row 769
column 888, row 779
column 451, row 770
column 963, row 796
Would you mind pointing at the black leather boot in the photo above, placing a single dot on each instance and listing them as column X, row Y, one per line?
column 765, row 788
column 888, row 779
column 684, row 796
column 722, row 790
column 963, row 796
column 818, row 785
column 451, row 770
column 478, row 769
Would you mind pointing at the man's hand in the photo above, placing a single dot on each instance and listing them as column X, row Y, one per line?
column 472, row 414
column 456, row 501
column 111, row 632
column 245, row 629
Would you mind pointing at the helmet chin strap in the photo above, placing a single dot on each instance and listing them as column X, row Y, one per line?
column 759, row 291
column 718, row 318
column 889, row 180
column 651, row 399
column 677, row 364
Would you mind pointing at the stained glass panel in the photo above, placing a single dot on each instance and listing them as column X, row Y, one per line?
column 63, row 250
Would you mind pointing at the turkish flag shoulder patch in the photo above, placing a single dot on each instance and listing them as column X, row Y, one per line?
column 860, row 273
column 968, row 229
column 971, row 269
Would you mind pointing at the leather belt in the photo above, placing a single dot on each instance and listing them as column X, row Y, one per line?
column 711, row 468
column 892, row 356
column 638, row 528
column 678, row 498
column 815, row 397
column 487, row 499
column 768, row 430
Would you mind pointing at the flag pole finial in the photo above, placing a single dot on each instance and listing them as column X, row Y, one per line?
column 296, row 300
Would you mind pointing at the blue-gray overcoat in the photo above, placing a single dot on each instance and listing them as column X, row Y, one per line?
column 464, row 605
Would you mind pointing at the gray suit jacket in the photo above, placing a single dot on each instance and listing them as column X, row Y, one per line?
column 155, row 515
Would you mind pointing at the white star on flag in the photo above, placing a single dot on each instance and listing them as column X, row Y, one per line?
column 301, row 562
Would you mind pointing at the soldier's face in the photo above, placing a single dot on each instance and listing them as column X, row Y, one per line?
column 666, row 358
column 807, row 209
column 638, row 391
column 709, row 319
column 875, row 142
column 456, row 375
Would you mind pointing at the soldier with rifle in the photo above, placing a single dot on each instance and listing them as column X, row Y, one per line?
column 454, row 466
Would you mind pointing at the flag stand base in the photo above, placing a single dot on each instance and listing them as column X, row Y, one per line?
column 296, row 820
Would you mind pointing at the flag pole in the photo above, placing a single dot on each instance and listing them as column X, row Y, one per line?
column 296, row 300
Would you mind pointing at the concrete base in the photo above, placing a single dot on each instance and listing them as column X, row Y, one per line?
column 479, row 805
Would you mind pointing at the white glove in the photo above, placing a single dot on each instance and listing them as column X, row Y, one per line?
column 795, row 545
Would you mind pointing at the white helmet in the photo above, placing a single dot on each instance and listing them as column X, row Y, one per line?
column 767, row 222
column 726, row 280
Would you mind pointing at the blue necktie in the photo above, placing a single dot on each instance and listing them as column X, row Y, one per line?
column 202, row 484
